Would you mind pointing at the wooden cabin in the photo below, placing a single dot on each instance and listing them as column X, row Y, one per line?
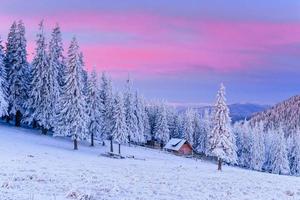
column 179, row 146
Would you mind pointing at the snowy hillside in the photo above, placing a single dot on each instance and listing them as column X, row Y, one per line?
column 34, row 166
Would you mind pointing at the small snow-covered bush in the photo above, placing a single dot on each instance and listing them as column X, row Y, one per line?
column 7, row 185
column 75, row 194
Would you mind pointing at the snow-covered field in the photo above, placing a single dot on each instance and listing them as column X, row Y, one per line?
column 37, row 167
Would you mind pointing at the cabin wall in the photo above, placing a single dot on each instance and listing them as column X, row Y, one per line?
column 185, row 149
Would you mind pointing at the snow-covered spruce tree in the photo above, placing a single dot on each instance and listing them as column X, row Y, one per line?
column 3, row 84
column 279, row 156
column 146, row 122
column 93, row 108
column 243, row 133
column 188, row 128
column 294, row 155
column 119, row 132
column 161, row 130
column 257, row 151
column 171, row 116
column 18, row 71
column 198, row 134
column 40, row 105
column 9, row 60
column 139, row 112
column 57, row 65
column 205, row 128
column 106, row 101
column 221, row 141
column 131, row 120
column 177, row 126
column 71, row 118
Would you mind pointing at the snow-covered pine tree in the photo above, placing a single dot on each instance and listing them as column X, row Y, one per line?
column 40, row 105
column 131, row 119
column 119, row 132
column 106, row 101
column 93, row 108
column 161, row 130
column 205, row 128
column 188, row 128
column 146, row 122
column 56, row 64
column 171, row 113
column 198, row 134
column 279, row 156
column 9, row 60
column 294, row 157
column 3, row 84
column 257, row 151
column 177, row 126
column 139, row 112
column 18, row 71
column 71, row 118
column 221, row 141
column 244, row 144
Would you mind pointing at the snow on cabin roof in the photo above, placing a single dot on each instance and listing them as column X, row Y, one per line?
column 175, row 144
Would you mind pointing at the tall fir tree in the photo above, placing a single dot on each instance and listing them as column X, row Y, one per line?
column 161, row 130
column 56, row 64
column 131, row 119
column 93, row 108
column 205, row 128
column 221, row 142
column 119, row 132
column 18, row 71
column 295, row 154
column 40, row 105
column 257, row 150
column 71, row 118
column 188, row 128
column 106, row 102
column 3, row 84
column 279, row 156
column 139, row 112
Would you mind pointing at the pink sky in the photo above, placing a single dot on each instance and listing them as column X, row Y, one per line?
column 167, row 41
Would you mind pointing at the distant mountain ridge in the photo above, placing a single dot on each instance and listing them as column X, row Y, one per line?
column 238, row 111
column 286, row 113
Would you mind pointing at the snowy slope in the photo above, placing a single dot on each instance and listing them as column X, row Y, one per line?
column 33, row 166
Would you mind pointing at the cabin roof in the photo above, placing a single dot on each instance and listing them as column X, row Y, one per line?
column 175, row 144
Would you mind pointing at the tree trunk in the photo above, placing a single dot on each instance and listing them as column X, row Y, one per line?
column 7, row 118
column 111, row 146
column 129, row 140
column 44, row 131
column 119, row 149
column 34, row 124
column 75, row 144
column 219, row 164
column 92, row 139
column 18, row 118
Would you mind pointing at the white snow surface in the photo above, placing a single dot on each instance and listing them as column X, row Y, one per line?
column 38, row 167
